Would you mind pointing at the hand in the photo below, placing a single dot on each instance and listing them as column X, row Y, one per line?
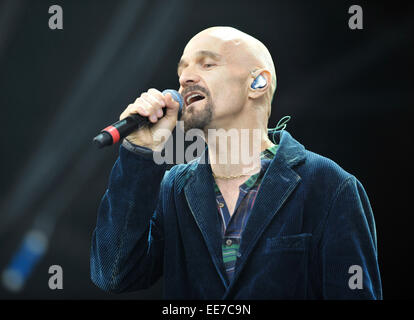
column 150, row 105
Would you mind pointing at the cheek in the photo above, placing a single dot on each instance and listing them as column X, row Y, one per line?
column 230, row 95
column 229, row 91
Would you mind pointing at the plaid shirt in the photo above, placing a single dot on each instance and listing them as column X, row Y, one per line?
column 232, row 226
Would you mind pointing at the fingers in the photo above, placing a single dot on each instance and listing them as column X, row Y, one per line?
column 135, row 109
column 155, row 94
column 152, row 105
column 149, row 104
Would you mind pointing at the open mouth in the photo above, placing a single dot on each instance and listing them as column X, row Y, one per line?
column 193, row 97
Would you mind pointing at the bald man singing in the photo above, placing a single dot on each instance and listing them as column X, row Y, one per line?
column 284, row 223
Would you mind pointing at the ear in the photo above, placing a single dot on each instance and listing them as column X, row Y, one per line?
column 259, row 92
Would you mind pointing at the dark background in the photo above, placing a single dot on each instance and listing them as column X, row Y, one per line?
column 349, row 93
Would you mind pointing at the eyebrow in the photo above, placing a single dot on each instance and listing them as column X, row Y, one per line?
column 201, row 53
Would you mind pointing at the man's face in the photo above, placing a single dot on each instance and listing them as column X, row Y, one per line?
column 212, row 82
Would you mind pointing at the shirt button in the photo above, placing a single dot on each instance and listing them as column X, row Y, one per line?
column 221, row 205
column 229, row 242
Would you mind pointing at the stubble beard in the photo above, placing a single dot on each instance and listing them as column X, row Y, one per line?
column 198, row 119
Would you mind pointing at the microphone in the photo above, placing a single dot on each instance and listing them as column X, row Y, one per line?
column 122, row 128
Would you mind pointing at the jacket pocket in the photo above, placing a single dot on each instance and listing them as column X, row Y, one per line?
column 280, row 268
column 297, row 242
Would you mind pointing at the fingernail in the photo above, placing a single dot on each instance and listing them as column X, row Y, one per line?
column 153, row 118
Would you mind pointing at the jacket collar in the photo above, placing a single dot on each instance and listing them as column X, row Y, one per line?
column 277, row 184
column 290, row 151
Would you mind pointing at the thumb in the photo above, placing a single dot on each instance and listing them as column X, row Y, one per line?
column 172, row 106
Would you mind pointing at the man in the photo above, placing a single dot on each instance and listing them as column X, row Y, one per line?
column 285, row 224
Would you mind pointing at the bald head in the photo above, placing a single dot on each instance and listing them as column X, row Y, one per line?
column 250, row 51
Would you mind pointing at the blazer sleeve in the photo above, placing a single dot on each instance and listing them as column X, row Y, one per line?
column 127, row 243
column 349, row 246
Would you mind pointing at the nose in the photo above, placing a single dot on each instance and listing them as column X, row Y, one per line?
column 188, row 77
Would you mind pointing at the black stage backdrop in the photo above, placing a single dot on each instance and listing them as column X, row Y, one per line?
column 349, row 93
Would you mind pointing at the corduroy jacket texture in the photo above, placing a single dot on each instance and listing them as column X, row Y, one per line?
column 311, row 233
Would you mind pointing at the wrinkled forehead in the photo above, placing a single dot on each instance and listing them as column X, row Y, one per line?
column 220, row 43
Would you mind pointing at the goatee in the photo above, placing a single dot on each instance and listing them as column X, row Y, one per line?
column 198, row 119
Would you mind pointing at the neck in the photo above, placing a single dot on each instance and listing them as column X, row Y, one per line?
column 236, row 151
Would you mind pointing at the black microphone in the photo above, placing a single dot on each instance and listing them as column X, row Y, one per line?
column 122, row 128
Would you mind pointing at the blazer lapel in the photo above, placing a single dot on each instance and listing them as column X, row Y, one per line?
column 199, row 192
column 278, row 183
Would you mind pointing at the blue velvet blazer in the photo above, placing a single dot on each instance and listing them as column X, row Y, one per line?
column 311, row 234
